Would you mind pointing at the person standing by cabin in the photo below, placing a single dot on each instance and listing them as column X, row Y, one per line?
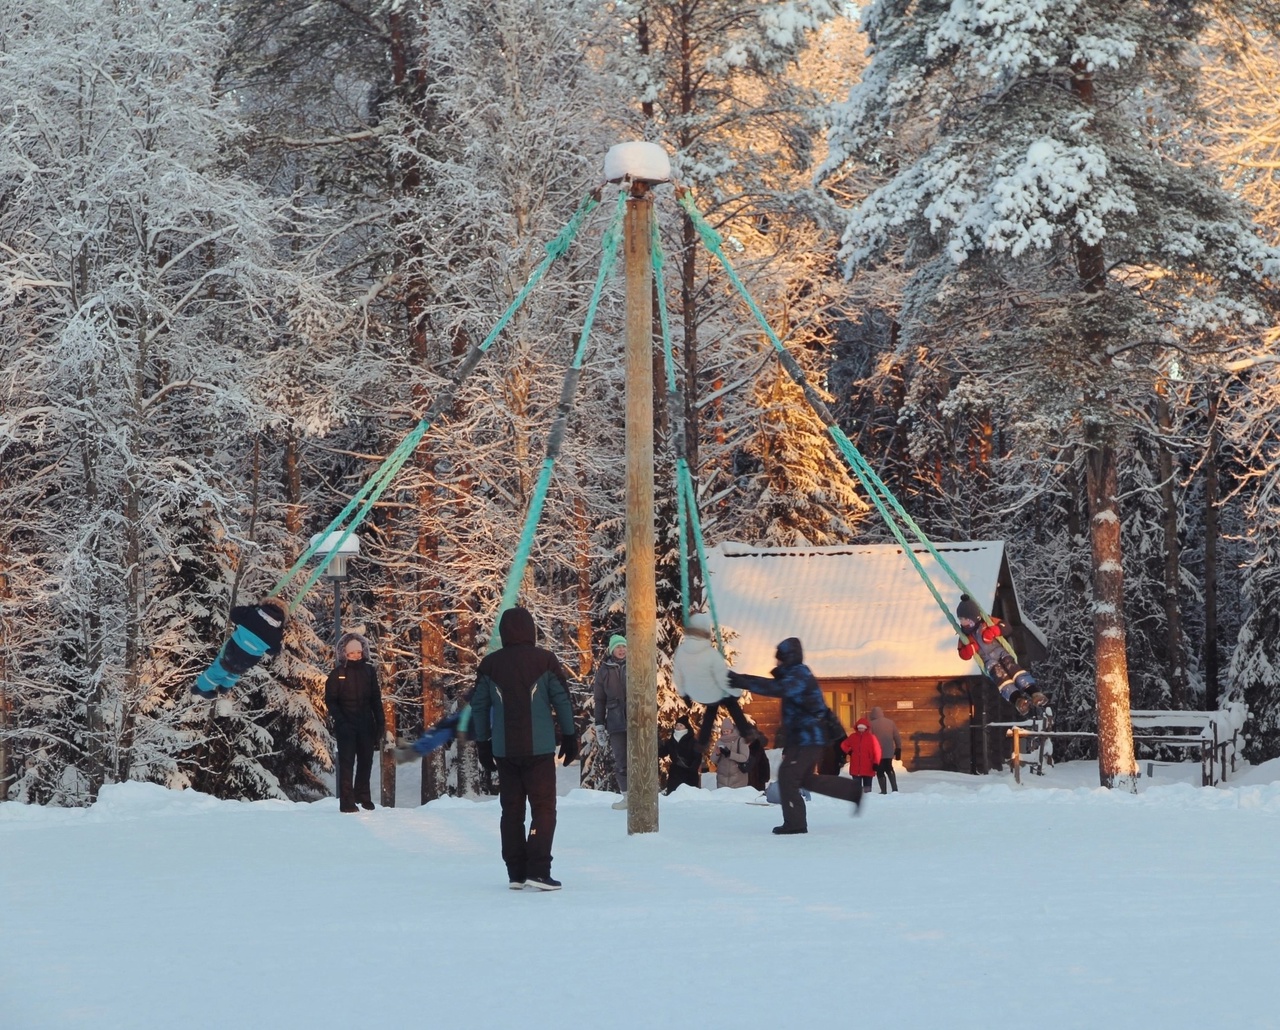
column 886, row 731
column 732, row 757
column 610, row 691
column 804, row 716
column 863, row 750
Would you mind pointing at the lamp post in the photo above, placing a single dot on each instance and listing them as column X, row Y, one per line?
column 336, row 572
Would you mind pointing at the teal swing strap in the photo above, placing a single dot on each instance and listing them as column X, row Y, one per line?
column 880, row 495
column 376, row 485
column 686, row 496
column 555, row 439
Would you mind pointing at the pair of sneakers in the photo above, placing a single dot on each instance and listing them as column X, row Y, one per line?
column 541, row 883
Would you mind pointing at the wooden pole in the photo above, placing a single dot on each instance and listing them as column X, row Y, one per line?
column 642, row 599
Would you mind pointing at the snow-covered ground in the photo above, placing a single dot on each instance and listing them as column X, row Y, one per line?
column 960, row 902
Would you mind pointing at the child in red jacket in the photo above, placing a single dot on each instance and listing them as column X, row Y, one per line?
column 864, row 752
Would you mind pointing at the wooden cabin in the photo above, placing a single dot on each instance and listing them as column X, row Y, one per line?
column 874, row 635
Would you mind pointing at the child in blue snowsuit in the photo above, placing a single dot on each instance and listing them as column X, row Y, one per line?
column 1016, row 685
column 258, row 630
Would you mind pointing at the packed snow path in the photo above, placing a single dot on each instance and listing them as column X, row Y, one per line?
column 961, row 902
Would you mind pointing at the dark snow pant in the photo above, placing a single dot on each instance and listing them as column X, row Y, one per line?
column 681, row 774
column 531, row 779
column 885, row 768
column 618, row 745
column 708, row 724
column 355, row 764
column 796, row 771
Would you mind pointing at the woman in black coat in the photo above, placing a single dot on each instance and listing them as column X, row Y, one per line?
column 355, row 708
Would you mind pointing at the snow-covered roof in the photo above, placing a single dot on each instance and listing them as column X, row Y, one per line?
column 859, row 610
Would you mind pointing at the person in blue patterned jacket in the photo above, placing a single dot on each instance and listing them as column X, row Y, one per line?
column 520, row 697
column 804, row 732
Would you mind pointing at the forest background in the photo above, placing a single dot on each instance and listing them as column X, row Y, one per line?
column 1025, row 250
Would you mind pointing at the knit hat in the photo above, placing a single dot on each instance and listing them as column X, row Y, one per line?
column 699, row 624
column 617, row 640
column 968, row 609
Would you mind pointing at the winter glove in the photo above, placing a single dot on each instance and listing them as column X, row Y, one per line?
column 991, row 631
column 438, row 736
column 897, row 754
column 723, row 751
column 733, row 680
column 568, row 748
column 484, row 751
column 602, row 736
column 966, row 649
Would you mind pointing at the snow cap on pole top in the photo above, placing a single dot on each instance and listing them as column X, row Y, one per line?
column 637, row 161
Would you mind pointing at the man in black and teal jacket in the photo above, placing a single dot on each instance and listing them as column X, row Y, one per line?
column 521, row 696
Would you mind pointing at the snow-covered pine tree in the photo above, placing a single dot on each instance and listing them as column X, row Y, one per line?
column 1047, row 236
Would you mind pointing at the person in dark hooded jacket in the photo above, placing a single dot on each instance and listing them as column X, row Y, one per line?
column 805, row 738
column 521, row 696
column 355, row 708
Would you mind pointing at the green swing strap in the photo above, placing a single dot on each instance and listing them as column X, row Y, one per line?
column 686, row 496
column 875, row 487
column 675, row 404
column 555, row 438
column 374, row 487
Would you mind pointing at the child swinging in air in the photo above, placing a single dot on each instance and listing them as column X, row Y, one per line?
column 984, row 640
column 258, row 630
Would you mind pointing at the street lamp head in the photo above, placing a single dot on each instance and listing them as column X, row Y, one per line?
column 332, row 543
column 637, row 161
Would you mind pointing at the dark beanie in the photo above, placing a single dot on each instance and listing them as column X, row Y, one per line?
column 968, row 609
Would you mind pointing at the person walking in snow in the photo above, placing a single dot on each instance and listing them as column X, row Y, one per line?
column 732, row 757
column 983, row 639
column 804, row 712
column 354, row 702
column 520, row 698
column 701, row 675
column 886, row 731
column 686, row 757
column 863, row 750
column 257, row 630
column 609, row 688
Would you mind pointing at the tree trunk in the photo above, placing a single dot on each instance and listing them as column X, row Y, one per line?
column 292, row 486
column 1177, row 664
column 582, row 560
column 1116, row 766
column 386, row 757
column 430, row 650
column 1211, row 669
